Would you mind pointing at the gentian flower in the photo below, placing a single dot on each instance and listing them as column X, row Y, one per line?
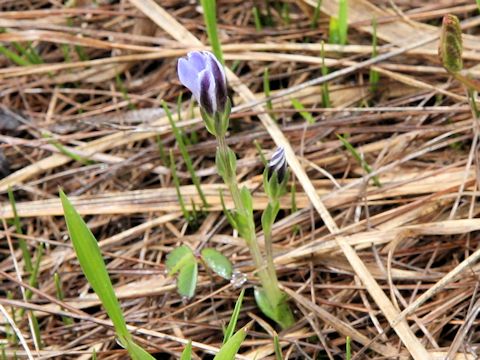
column 277, row 164
column 204, row 76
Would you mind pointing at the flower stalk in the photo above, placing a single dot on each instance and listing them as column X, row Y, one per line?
column 203, row 74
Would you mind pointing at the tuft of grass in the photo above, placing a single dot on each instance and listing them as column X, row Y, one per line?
column 210, row 18
column 185, row 155
column 356, row 155
column 93, row 266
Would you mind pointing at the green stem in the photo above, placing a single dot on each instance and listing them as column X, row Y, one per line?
column 267, row 274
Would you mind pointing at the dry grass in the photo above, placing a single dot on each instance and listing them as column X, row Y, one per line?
column 393, row 267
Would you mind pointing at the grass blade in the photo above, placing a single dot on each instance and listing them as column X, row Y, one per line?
column 233, row 320
column 93, row 266
column 231, row 347
column 187, row 352
column 210, row 17
column 342, row 21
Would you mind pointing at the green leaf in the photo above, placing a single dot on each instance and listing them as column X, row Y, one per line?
column 280, row 312
column 218, row 262
column 187, row 352
column 93, row 266
column 187, row 279
column 137, row 353
column 231, row 347
column 233, row 320
column 246, row 199
column 178, row 258
column 301, row 109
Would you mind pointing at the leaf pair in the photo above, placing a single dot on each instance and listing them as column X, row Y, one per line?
column 183, row 261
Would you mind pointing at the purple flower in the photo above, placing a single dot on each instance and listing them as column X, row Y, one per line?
column 204, row 76
column 278, row 164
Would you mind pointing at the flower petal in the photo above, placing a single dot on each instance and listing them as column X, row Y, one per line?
column 189, row 77
column 198, row 60
column 207, row 92
column 220, row 80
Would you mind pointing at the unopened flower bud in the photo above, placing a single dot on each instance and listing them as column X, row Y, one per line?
column 450, row 46
column 204, row 76
column 278, row 164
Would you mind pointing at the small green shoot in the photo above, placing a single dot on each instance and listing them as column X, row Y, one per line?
column 278, row 348
column 348, row 349
column 233, row 320
column 342, row 21
column 301, row 109
column 27, row 257
column 266, row 90
column 176, row 182
column 260, row 153
column 257, row 19
column 316, row 14
column 123, row 89
column 60, row 296
column 187, row 352
column 333, row 37
column 210, row 18
column 231, row 347
column 62, row 149
column 94, row 269
column 286, row 13
column 325, row 91
column 374, row 75
column 184, row 152
column 161, row 151
column 356, row 155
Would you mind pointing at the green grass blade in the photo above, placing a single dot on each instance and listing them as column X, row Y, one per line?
column 256, row 18
column 325, row 91
column 333, row 31
column 94, row 269
column 342, row 21
column 234, row 318
column 65, row 151
column 12, row 56
column 187, row 352
column 266, row 90
column 184, row 152
column 278, row 348
column 93, row 266
column 359, row 159
column 316, row 14
column 210, row 17
column 176, row 182
column 60, row 296
column 348, row 350
column 27, row 257
column 301, row 109
column 231, row 347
